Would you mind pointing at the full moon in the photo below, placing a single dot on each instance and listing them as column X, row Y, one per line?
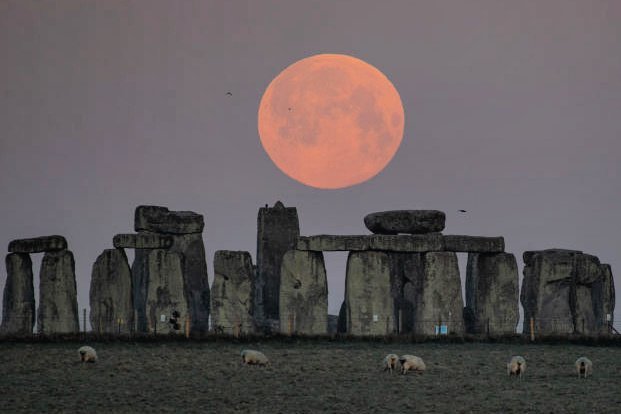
column 331, row 121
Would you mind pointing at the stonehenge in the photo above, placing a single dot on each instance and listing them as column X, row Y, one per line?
column 403, row 278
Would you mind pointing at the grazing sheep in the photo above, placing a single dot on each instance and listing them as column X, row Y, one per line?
column 584, row 366
column 390, row 362
column 87, row 354
column 411, row 363
column 251, row 357
column 516, row 366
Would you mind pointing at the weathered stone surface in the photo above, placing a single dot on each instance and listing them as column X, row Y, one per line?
column 142, row 241
column 111, row 296
column 161, row 220
column 166, row 303
column 341, row 325
column 368, row 299
column 405, row 221
column 397, row 243
column 492, row 293
column 407, row 275
column 231, row 292
column 303, row 293
column 438, row 301
column 333, row 321
column 18, row 304
column 608, row 293
column 38, row 244
column 58, row 305
column 140, row 283
column 474, row 244
column 277, row 231
column 192, row 249
column 564, row 292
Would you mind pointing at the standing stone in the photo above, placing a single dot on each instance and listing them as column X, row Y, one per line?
column 303, row 293
column 405, row 221
column 111, row 296
column 140, row 284
column 196, row 283
column 231, row 292
column 341, row 324
column 58, row 305
column 407, row 274
column 439, row 301
column 547, row 291
column 369, row 302
column 492, row 293
column 608, row 294
column 277, row 231
column 166, row 303
column 588, row 305
column 18, row 304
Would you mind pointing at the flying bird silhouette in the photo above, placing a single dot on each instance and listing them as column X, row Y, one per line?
column 229, row 94
column 462, row 211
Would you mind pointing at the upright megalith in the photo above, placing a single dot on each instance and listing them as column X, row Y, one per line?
column 368, row 300
column 438, row 301
column 565, row 291
column 58, row 305
column 111, row 296
column 405, row 221
column 278, row 229
column 608, row 294
column 303, row 293
column 38, row 244
column 492, row 294
column 166, row 303
column 180, row 232
column 407, row 275
column 18, row 304
column 232, row 292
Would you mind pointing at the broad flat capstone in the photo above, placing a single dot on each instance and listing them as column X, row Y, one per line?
column 142, row 241
column 368, row 300
column 231, row 292
column 474, row 244
column 303, row 293
column 405, row 221
column 166, row 303
column 158, row 219
column 58, row 305
column 439, row 301
column 38, row 244
column 278, row 229
column 381, row 242
column 18, row 304
column 110, row 295
column 492, row 294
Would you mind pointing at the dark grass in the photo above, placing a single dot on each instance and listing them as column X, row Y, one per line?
column 306, row 375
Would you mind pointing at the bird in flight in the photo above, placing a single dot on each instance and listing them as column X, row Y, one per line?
column 229, row 94
column 462, row 211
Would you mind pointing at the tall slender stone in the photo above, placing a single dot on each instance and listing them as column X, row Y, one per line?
column 232, row 292
column 368, row 299
column 140, row 285
column 303, row 293
column 277, row 231
column 407, row 274
column 58, row 305
column 608, row 294
column 492, row 293
column 166, row 303
column 18, row 304
column 111, row 296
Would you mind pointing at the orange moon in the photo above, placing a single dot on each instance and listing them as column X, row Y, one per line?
column 331, row 121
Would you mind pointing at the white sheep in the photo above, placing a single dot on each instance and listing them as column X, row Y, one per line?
column 584, row 366
column 390, row 362
column 411, row 363
column 87, row 354
column 516, row 366
column 252, row 357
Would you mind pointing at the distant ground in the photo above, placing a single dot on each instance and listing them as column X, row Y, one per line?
column 305, row 377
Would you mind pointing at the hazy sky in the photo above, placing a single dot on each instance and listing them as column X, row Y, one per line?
column 512, row 112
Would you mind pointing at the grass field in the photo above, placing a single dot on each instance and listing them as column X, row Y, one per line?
column 305, row 377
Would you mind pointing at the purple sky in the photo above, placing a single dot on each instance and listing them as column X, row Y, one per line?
column 513, row 112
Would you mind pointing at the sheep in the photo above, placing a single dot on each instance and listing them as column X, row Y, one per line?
column 390, row 362
column 87, row 354
column 411, row 363
column 516, row 366
column 584, row 366
column 252, row 357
